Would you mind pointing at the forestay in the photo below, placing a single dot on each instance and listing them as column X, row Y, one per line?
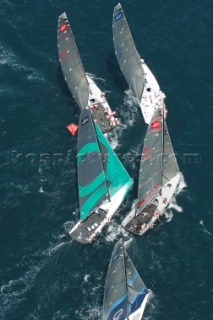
column 126, row 53
column 150, row 176
column 116, row 175
column 136, row 289
column 71, row 64
column 92, row 185
column 170, row 166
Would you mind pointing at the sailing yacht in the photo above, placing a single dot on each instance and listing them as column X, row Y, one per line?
column 159, row 178
column 140, row 79
column 103, row 182
column 83, row 88
column 126, row 295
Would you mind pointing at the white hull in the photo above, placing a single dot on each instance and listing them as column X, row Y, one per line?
column 152, row 98
column 163, row 200
column 138, row 314
column 98, row 96
column 110, row 207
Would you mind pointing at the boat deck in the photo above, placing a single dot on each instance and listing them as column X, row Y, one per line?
column 152, row 98
column 142, row 220
column 100, row 117
column 100, row 109
column 83, row 230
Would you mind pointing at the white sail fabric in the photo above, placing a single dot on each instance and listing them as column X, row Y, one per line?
column 136, row 289
column 126, row 53
column 170, row 166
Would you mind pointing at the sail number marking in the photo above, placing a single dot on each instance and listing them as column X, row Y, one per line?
column 118, row 16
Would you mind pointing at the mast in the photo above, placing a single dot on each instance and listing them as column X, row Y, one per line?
column 115, row 294
column 127, row 302
column 92, row 185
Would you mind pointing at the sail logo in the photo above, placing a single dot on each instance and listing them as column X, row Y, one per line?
column 62, row 27
column 84, row 121
column 118, row 314
column 118, row 16
column 115, row 256
column 155, row 125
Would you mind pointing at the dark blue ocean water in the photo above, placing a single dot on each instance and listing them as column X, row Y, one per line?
column 43, row 273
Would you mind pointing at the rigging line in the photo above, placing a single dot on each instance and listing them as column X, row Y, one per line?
column 103, row 163
column 165, row 177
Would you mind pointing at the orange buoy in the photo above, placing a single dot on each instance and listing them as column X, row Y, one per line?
column 72, row 128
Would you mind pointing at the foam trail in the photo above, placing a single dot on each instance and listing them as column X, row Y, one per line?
column 86, row 277
column 168, row 215
column 173, row 204
column 9, row 58
column 127, row 243
column 114, row 232
column 114, row 136
column 41, row 190
column 130, row 158
column 94, row 77
column 89, row 313
column 91, row 310
column 204, row 229
column 68, row 225
column 54, row 249
column 181, row 186
column 151, row 310
column 14, row 291
column 130, row 112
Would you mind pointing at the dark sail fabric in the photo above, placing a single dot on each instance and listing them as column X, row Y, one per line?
column 116, row 175
column 170, row 166
column 126, row 53
column 136, row 289
column 150, row 176
column 92, row 185
column 115, row 295
column 71, row 64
